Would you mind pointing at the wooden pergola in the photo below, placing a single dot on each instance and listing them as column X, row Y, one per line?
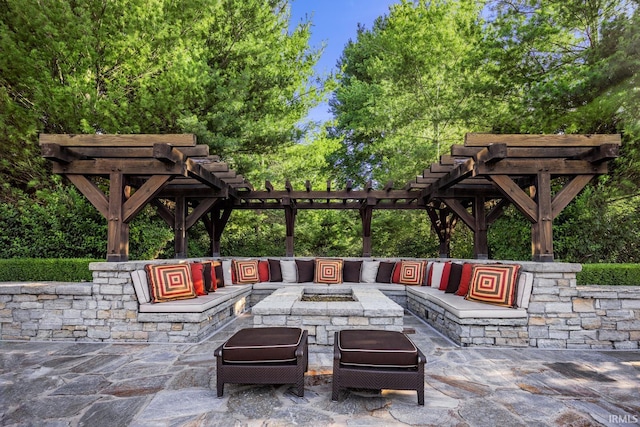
column 187, row 184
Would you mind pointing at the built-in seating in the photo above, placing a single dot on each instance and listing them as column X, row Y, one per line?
column 445, row 310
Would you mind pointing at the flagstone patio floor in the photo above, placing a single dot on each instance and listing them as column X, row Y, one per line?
column 96, row 384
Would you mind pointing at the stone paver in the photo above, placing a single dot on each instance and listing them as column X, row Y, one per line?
column 77, row 384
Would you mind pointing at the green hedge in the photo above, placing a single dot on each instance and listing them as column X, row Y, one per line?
column 49, row 269
column 609, row 274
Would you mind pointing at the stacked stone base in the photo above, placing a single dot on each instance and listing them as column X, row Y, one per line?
column 97, row 312
column 475, row 331
column 560, row 313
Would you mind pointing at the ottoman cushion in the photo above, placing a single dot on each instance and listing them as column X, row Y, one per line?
column 377, row 349
column 262, row 345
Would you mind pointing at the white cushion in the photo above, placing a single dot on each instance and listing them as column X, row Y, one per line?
column 289, row 271
column 226, row 272
column 525, row 286
column 369, row 271
column 141, row 286
column 436, row 274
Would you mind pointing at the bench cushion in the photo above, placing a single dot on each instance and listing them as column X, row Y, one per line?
column 262, row 345
column 376, row 349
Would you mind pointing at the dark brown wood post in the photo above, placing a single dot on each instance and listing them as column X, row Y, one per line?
column 480, row 244
column 443, row 224
column 542, row 230
column 180, row 227
column 118, row 230
column 219, row 219
column 366, row 213
column 290, row 221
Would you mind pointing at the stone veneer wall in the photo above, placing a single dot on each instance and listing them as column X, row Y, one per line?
column 561, row 314
column 103, row 310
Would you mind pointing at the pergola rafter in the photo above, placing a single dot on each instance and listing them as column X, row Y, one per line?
column 474, row 184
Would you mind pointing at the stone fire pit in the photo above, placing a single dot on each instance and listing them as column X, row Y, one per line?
column 369, row 309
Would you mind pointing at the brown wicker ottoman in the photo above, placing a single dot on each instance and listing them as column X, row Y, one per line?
column 275, row 355
column 375, row 359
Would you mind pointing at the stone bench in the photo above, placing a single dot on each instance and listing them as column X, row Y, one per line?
column 452, row 315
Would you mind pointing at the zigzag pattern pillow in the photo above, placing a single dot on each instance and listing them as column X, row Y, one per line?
column 170, row 282
column 328, row 271
column 411, row 272
column 494, row 284
column 246, row 271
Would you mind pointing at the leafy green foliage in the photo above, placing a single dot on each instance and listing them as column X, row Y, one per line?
column 231, row 72
column 404, row 95
column 609, row 275
column 56, row 270
column 61, row 223
column 227, row 70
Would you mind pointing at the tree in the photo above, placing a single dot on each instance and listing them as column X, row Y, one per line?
column 405, row 88
column 226, row 70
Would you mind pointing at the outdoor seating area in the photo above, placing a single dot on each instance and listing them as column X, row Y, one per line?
column 559, row 314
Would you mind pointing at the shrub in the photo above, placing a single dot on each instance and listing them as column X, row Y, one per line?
column 609, row 274
column 52, row 269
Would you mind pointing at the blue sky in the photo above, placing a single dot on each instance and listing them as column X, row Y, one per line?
column 334, row 22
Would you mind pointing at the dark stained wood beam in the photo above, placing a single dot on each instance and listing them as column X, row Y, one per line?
column 201, row 209
column 517, row 196
column 57, row 153
column 520, row 140
column 497, row 211
column 164, row 212
column 111, row 140
column 533, row 166
column 568, row 193
column 461, row 212
column 201, row 151
column 103, row 167
column 143, row 195
column 91, row 192
column 480, row 242
column 459, row 173
column 602, row 153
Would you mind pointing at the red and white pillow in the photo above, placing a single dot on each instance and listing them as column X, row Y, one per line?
column 494, row 284
column 170, row 282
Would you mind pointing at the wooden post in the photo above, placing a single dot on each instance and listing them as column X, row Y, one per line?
column 118, row 230
column 180, row 227
column 443, row 224
column 542, row 230
column 219, row 219
column 290, row 221
column 366, row 213
column 480, row 245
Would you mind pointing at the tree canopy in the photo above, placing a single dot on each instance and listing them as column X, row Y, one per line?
column 407, row 88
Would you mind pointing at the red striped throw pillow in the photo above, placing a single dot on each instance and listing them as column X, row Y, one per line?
column 494, row 284
column 170, row 282
column 411, row 272
column 328, row 271
column 246, row 271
